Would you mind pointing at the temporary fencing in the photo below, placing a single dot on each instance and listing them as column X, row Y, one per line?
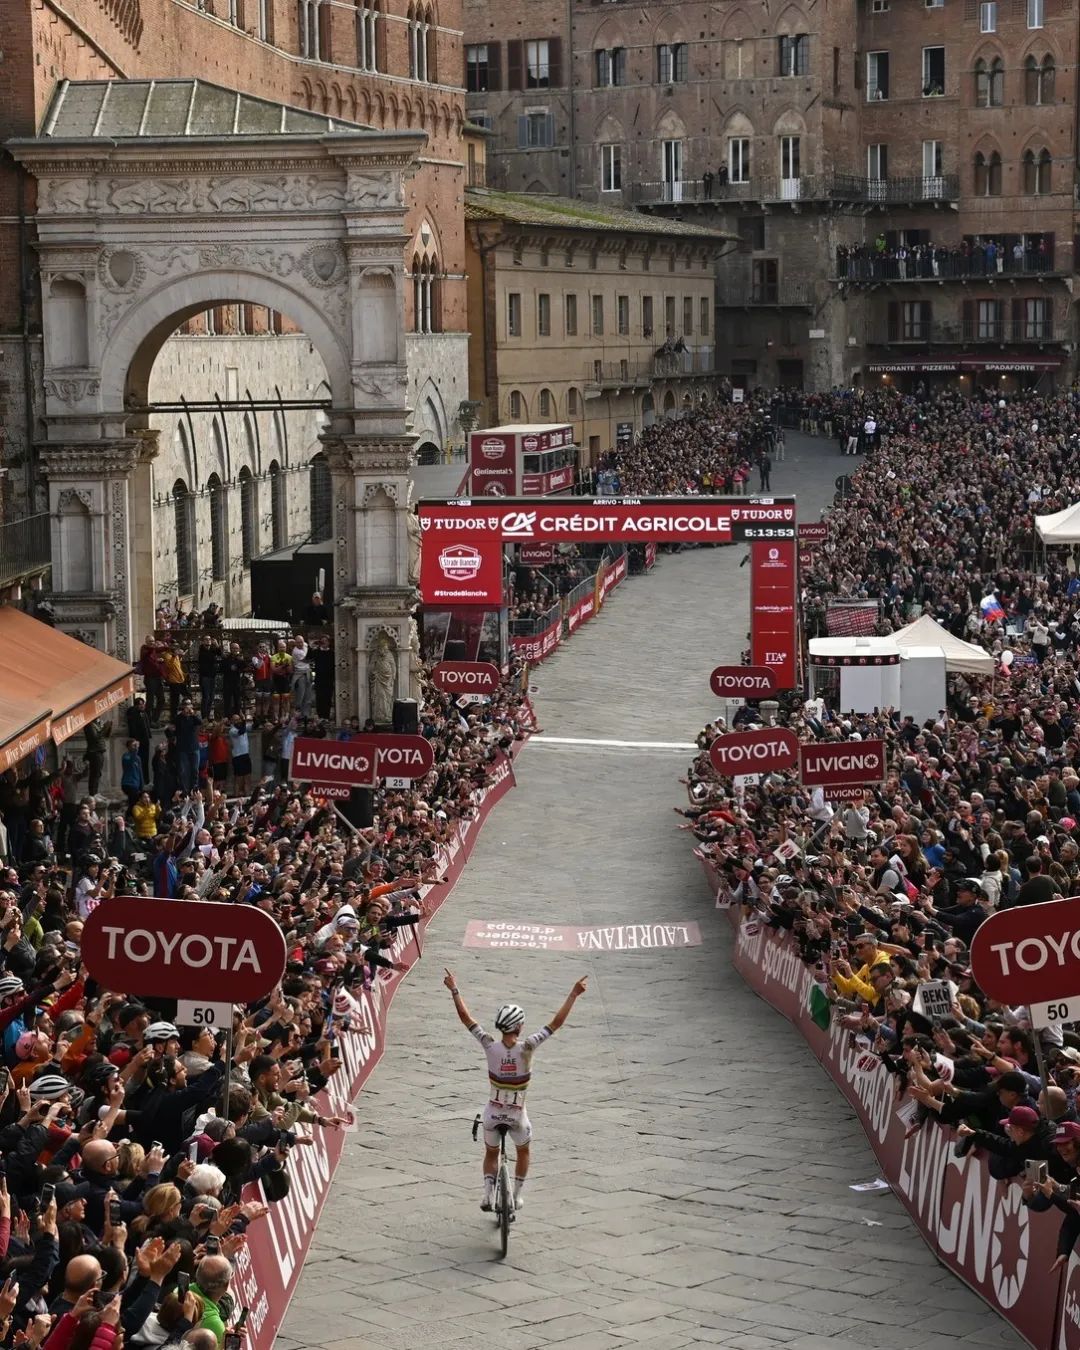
column 268, row 1268
column 975, row 1225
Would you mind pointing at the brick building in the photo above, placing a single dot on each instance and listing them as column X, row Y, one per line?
column 900, row 172
column 392, row 65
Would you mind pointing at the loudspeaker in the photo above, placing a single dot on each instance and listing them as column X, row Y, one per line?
column 406, row 716
column 359, row 810
column 455, row 650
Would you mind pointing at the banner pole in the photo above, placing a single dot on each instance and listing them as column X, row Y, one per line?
column 228, row 1064
column 342, row 817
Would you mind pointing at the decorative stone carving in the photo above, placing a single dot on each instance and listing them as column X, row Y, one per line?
column 248, row 194
column 323, row 265
column 121, row 270
column 367, row 191
column 72, row 389
column 370, row 388
column 66, row 195
column 153, row 196
column 382, row 677
column 373, row 490
column 70, row 495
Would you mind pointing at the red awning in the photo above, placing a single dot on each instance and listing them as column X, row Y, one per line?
column 47, row 677
column 1007, row 365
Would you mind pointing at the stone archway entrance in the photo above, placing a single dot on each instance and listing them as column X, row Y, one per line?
column 156, row 201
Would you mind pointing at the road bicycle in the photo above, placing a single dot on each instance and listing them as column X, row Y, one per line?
column 504, row 1191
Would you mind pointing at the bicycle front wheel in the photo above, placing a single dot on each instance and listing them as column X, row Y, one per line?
column 504, row 1203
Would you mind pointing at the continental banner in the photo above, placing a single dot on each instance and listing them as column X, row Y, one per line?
column 268, row 1268
column 976, row 1226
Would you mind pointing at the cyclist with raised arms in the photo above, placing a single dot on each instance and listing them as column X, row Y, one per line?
column 509, row 1061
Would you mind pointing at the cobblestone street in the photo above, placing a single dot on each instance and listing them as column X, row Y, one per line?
column 691, row 1162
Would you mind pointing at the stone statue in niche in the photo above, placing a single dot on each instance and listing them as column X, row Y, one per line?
column 382, row 682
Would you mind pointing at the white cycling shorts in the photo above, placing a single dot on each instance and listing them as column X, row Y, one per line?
column 516, row 1118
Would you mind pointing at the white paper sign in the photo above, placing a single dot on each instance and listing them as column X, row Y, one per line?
column 934, row 998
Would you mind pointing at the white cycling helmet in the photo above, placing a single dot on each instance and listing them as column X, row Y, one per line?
column 509, row 1017
column 160, row 1031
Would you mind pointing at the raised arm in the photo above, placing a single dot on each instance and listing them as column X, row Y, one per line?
column 571, row 998
column 467, row 1020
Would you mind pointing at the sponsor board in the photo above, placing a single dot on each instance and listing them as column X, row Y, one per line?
column 397, row 755
column 343, row 763
column 841, row 763
column 543, row 484
column 812, row 532
column 1029, row 954
column 536, row 555
column 461, row 571
column 755, row 752
column 650, row 557
column 268, row 1269
column 62, row 728
column 742, row 681
column 624, row 937
column 537, row 646
column 773, row 589
column 460, row 677
column 974, row 1224
column 493, row 464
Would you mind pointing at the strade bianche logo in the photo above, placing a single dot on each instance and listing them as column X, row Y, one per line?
column 460, row 562
column 493, row 448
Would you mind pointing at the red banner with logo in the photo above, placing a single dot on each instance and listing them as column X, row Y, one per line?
column 650, row 557
column 536, row 555
column 773, row 588
column 464, row 571
column 581, row 611
column 975, row 1225
column 268, row 1269
column 493, row 463
column 841, row 763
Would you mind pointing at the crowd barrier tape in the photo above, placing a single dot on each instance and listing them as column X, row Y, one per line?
column 268, row 1268
column 975, row 1225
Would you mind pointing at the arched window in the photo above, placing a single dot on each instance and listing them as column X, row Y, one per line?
column 573, row 408
column 425, row 295
column 517, row 405
column 368, row 20
column 997, row 82
column 219, row 529
column 249, row 516
column 279, row 510
column 984, row 83
column 320, row 495
column 988, row 174
column 546, row 405
column 184, row 525
column 421, row 38
column 1037, row 181
column 1039, row 79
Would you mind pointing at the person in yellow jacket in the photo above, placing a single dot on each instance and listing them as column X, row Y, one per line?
column 175, row 678
column 144, row 815
column 856, row 985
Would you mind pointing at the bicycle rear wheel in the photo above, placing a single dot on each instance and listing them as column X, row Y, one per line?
column 504, row 1202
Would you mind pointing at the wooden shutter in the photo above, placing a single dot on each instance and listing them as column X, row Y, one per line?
column 515, row 64
column 555, row 75
column 494, row 58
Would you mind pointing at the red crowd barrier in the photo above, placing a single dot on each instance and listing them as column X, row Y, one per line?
column 537, row 646
column 268, row 1269
column 975, row 1225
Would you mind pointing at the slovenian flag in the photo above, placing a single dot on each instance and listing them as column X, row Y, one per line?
column 991, row 608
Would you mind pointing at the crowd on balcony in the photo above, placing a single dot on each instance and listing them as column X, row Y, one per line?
column 127, row 1140
column 981, row 256
column 981, row 808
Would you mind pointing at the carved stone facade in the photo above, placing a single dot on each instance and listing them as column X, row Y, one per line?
column 133, row 239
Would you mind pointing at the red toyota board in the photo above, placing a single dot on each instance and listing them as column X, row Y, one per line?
column 465, row 677
column 207, row 951
column 397, row 756
column 344, row 763
column 841, row 763
column 773, row 589
column 1030, row 954
column 742, row 681
column 768, row 750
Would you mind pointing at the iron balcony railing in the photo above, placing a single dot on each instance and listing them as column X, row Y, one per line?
column 662, row 366
column 25, row 547
column 759, row 188
column 792, row 294
column 937, row 187
column 946, row 266
column 1025, row 332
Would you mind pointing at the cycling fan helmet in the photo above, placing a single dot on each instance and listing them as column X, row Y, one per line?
column 10, row 985
column 509, row 1017
column 161, row 1031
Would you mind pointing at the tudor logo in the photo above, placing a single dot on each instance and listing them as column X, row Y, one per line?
column 519, row 524
column 460, row 562
column 493, row 448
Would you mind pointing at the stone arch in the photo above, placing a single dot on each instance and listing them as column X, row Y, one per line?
column 350, row 95
column 789, row 123
column 142, row 330
column 252, row 444
column 609, row 129
column 670, row 410
column 74, row 554
column 407, row 109
column 322, row 98
column 393, row 110
column 184, row 453
column 430, row 422
column 220, row 443
column 364, row 108
column 338, row 101
column 792, row 21
column 737, row 27
column 670, row 126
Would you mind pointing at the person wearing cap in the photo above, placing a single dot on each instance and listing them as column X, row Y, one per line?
column 1027, row 1137
column 858, row 984
column 968, row 914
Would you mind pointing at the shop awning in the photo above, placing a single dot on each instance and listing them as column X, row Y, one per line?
column 53, row 678
column 23, row 727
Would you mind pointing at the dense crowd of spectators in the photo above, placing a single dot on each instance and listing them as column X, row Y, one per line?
column 983, row 255
column 126, row 1141
column 981, row 808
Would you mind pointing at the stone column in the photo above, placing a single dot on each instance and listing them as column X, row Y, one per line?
column 375, row 570
column 93, row 540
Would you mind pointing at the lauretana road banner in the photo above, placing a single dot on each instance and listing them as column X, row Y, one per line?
column 268, row 1268
column 975, row 1224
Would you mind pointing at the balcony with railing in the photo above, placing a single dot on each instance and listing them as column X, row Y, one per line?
column 867, row 268
column 969, row 332
column 774, row 295
column 938, row 187
column 706, row 191
column 633, row 373
column 25, row 548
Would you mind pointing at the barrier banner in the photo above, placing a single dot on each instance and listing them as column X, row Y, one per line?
column 650, row 557
column 581, row 611
column 621, row 565
column 773, row 636
column 536, row 646
column 268, row 1268
column 976, row 1225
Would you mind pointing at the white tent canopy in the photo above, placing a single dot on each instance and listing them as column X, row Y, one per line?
column 1060, row 527
column 962, row 658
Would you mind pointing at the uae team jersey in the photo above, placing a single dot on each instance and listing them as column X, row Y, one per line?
column 509, row 1066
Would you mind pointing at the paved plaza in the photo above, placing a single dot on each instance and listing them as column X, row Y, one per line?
column 691, row 1163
